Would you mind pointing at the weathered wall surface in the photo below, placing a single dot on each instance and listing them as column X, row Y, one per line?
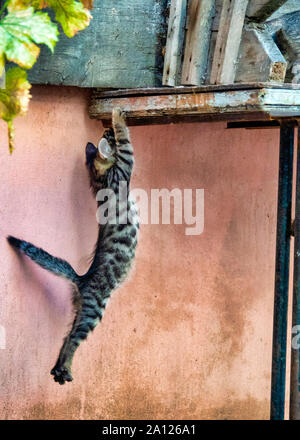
column 189, row 334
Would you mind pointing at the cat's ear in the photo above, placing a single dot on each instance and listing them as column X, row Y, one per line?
column 90, row 151
column 104, row 149
column 90, row 148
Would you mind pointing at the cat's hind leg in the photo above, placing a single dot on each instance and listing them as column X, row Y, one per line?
column 87, row 316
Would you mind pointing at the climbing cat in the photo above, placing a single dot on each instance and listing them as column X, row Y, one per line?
column 108, row 165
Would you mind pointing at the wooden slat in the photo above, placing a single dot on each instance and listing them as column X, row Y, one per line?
column 228, row 41
column 254, row 6
column 101, row 94
column 180, row 119
column 268, row 8
column 199, row 23
column 260, row 58
column 201, row 105
column 290, row 49
column 174, row 45
column 217, row 15
column 287, row 8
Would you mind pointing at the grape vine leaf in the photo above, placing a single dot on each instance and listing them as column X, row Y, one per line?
column 73, row 15
column 14, row 99
column 15, row 5
column 20, row 30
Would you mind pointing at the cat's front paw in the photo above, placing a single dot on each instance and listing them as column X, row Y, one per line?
column 61, row 374
column 118, row 116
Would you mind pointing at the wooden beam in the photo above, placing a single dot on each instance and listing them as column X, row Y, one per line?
column 174, row 46
column 289, row 46
column 267, row 10
column 122, row 47
column 228, row 41
column 216, row 88
column 201, row 105
column 260, row 59
column 199, row 22
column 287, row 8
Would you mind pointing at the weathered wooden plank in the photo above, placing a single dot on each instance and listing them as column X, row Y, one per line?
column 290, row 29
column 290, row 49
column 101, row 94
column 254, row 6
column 228, row 41
column 285, row 30
column 174, row 46
column 268, row 8
column 287, row 8
column 200, row 16
column 122, row 47
column 213, row 40
column 217, row 15
column 260, row 59
column 205, row 104
column 216, row 117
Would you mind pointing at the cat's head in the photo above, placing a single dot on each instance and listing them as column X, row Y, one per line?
column 100, row 159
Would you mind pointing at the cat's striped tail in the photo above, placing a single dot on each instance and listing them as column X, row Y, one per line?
column 42, row 258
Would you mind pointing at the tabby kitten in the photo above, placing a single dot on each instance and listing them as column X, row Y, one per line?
column 108, row 165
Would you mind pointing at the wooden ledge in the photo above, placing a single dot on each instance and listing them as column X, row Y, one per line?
column 238, row 102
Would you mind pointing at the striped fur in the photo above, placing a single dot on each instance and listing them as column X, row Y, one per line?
column 114, row 252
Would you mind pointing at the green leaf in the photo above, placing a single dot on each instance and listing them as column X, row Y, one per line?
column 15, row 5
column 20, row 30
column 71, row 14
column 14, row 99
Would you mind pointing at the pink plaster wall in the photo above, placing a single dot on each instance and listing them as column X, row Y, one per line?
column 189, row 335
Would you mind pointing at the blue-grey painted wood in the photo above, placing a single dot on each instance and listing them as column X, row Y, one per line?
column 121, row 48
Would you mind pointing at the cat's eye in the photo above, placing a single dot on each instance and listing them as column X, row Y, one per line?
column 104, row 149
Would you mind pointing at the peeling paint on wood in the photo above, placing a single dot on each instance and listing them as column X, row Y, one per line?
column 228, row 41
column 199, row 104
column 200, row 16
column 174, row 46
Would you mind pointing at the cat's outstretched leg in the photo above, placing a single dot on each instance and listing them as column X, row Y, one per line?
column 62, row 369
column 88, row 315
column 120, row 128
